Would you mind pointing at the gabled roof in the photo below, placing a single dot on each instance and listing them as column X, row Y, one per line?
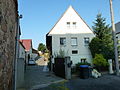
column 21, row 44
column 27, row 43
column 70, row 15
column 34, row 51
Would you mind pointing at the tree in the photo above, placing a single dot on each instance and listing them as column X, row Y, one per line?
column 95, row 46
column 100, row 61
column 100, row 28
column 42, row 47
column 102, row 43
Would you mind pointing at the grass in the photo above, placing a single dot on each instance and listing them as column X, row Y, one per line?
column 56, row 86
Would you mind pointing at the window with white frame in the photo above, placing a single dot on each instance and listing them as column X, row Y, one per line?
column 83, row 60
column 74, row 51
column 68, row 24
column 86, row 40
column 74, row 41
column 63, row 41
column 74, row 24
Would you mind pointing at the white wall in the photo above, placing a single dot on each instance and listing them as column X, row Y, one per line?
column 70, row 16
column 28, row 53
column 20, row 66
column 20, row 72
column 21, row 51
column 80, row 31
column 83, row 50
column 34, row 55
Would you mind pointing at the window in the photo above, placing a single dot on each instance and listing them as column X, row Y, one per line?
column 74, row 51
column 86, row 40
column 83, row 60
column 74, row 41
column 62, row 41
column 68, row 24
column 74, row 24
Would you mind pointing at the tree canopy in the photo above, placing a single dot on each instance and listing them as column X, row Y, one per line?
column 41, row 47
column 102, row 43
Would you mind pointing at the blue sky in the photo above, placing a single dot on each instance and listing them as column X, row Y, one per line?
column 39, row 16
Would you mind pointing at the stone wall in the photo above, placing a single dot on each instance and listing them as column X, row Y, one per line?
column 8, row 26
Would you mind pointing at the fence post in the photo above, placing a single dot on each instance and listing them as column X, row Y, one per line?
column 110, row 66
column 67, row 68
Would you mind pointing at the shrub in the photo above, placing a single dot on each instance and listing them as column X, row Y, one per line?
column 100, row 61
column 61, row 54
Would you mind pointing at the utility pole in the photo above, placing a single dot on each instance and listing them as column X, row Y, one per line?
column 114, row 39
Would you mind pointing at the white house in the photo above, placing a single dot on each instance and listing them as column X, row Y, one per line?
column 20, row 65
column 21, row 51
column 117, row 27
column 27, row 43
column 71, row 34
column 34, row 54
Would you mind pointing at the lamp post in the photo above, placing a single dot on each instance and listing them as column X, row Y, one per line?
column 114, row 39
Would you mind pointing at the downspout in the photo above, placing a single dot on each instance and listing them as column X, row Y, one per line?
column 17, row 38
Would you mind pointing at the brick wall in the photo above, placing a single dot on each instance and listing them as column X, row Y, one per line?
column 8, row 25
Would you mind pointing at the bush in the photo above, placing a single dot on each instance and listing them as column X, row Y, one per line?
column 61, row 54
column 100, row 61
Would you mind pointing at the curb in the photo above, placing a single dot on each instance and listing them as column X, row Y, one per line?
column 45, row 85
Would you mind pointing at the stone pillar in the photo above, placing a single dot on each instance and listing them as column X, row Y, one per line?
column 67, row 68
column 110, row 66
column 52, row 62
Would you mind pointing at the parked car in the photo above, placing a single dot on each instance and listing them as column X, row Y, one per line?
column 31, row 62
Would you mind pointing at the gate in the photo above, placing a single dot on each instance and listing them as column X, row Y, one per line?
column 59, row 67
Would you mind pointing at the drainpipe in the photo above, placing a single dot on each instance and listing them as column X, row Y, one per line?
column 17, row 38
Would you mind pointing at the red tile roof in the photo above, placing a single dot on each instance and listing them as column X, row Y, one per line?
column 27, row 43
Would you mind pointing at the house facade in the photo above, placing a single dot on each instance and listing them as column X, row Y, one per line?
column 20, row 66
column 27, row 43
column 21, row 51
column 117, row 27
column 72, row 35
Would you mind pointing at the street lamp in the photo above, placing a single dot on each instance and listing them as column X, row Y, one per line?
column 114, row 39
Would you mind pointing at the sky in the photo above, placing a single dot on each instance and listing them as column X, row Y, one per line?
column 39, row 16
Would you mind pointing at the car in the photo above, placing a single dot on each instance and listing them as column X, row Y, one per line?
column 31, row 62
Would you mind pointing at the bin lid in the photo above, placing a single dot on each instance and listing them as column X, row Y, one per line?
column 83, row 66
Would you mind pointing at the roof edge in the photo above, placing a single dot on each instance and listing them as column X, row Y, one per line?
column 64, row 14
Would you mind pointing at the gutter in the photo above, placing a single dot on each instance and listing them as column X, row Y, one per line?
column 17, row 38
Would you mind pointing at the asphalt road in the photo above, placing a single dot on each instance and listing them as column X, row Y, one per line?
column 106, row 82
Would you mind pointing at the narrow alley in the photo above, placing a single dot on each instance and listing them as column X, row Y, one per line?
column 36, row 76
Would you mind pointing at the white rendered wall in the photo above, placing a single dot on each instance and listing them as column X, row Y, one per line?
column 83, row 50
column 79, row 31
column 21, row 51
column 70, row 16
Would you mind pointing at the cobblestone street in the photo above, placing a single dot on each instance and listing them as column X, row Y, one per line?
column 36, row 77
